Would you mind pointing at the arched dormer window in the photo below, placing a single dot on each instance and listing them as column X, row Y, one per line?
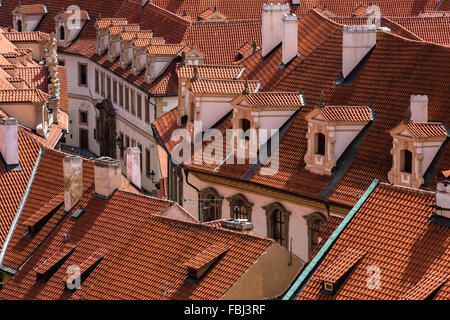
column 19, row 25
column 240, row 207
column 277, row 223
column 62, row 33
column 244, row 124
column 406, row 161
column 314, row 221
column 210, row 205
column 319, row 144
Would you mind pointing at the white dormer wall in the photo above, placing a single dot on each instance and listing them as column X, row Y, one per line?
column 126, row 53
column 210, row 109
column 114, row 49
column 139, row 62
column 29, row 22
column 155, row 66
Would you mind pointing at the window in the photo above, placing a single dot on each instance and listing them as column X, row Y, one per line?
column 102, row 83
column 82, row 74
column 192, row 112
column 406, row 161
column 19, row 25
column 175, row 184
column 277, row 223
column 123, row 143
column 148, row 169
column 114, row 89
column 244, row 124
column 319, row 144
column 108, row 87
column 121, row 94
column 127, row 99
column 84, row 117
column 240, row 207
column 133, row 143
column 139, row 105
column 315, row 222
column 140, row 155
column 133, row 106
column 210, row 205
column 97, row 124
column 61, row 62
column 97, row 81
column 147, row 111
column 61, row 33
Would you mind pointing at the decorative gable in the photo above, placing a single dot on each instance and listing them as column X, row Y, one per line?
column 68, row 24
column 28, row 17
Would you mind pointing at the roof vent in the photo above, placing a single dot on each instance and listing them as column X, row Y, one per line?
column 237, row 224
column 77, row 214
column 67, row 236
column 201, row 263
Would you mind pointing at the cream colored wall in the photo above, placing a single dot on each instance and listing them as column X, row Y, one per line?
column 176, row 212
column 269, row 277
column 24, row 113
column 298, row 228
column 36, row 47
column 212, row 109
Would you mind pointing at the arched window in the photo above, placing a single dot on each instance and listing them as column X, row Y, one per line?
column 315, row 221
column 19, row 25
column 319, row 144
column 175, row 180
column 61, row 33
column 240, row 207
column 406, row 161
column 210, row 205
column 278, row 223
column 244, row 124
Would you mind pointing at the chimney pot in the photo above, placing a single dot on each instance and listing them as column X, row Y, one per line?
column 107, row 176
column 134, row 165
column 242, row 225
column 9, row 147
column 419, row 108
column 357, row 41
column 289, row 38
column 272, row 25
column 73, row 180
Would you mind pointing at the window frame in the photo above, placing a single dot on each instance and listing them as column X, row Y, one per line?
column 310, row 219
column 248, row 205
column 205, row 199
column 320, row 144
column 284, row 219
column 81, row 117
column 80, row 66
column 97, row 80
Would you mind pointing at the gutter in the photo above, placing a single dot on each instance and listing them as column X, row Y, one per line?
column 21, row 206
column 307, row 273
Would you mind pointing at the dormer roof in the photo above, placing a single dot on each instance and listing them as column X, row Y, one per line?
column 32, row 9
column 144, row 42
column 123, row 29
column 23, row 95
column 272, row 100
column 166, row 49
column 227, row 87
column 209, row 71
column 130, row 35
column 421, row 130
column 84, row 15
column 104, row 23
column 32, row 36
column 342, row 114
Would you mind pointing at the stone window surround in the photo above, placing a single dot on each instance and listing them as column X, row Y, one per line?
column 233, row 199
column 395, row 174
column 310, row 219
column 205, row 194
column 270, row 208
column 328, row 162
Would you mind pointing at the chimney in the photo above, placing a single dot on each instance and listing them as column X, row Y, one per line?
column 9, row 147
column 134, row 165
column 356, row 44
column 419, row 108
column 272, row 25
column 107, row 176
column 242, row 225
column 295, row 2
column 73, row 180
column 290, row 38
column 443, row 198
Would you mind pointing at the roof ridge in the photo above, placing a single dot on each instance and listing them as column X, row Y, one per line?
column 388, row 185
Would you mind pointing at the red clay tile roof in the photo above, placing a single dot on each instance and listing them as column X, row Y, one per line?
column 427, row 129
column 209, row 71
column 270, row 100
column 221, row 86
column 435, row 29
column 124, row 29
column 143, row 42
column 35, row 77
column 137, row 35
column 345, row 260
column 104, row 23
column 165, row 49
column 206, row 256
column 435, row 14
column 346, row 113
column 24, row 36
column 392, row 227
column 23, row 95
column 360, row 10
column 33, row 9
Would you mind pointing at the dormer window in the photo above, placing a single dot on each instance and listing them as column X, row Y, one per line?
column 319, row 144
column 61, row 33
column 244, row 124
column 331, row 130
column 19, row 25
column 240, row 207
column 406, row 161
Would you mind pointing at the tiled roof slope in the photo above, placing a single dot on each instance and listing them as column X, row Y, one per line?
column 25, row 36
column 14, row 183
column 393, row 230
column 105, row 227
column 435, row 29
column 152, row 266
column 35, row 77
column 209, row 71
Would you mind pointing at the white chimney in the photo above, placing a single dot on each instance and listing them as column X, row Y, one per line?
column 295, row 2
column 272, row 25
column 289, row 37
column 9, row 147
column 107, row 176
column 356, row 43
column 443, row 198
column 419, row 108
column 134, row 165
column 73, row 180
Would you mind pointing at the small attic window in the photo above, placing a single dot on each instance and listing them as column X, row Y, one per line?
column 19, row 25
column 406, row 161
column 199, row 265
column 319, row 144
column 244, row 124
column 61, row 33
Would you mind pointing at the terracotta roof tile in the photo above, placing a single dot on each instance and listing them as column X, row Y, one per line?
column 33, row 9
column 206, row 256
column 427, row 129
column 345, row 260
column 346, row 113
column 222, row 86
column 22, row 95
column 24, row 36
column 274, row 100
column 35, row 77
column 393, row 228
column 103, row 23
column 431, row 29
column 123, row 29
column 209, row 71
column 165, row 49
column 143, row 42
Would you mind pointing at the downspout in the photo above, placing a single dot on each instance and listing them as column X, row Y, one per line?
column 21, row 206
column 149, row 96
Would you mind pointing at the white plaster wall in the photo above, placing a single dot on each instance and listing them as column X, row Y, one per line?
column 159, row 66
column 269, row 120
column 212, row 109
column 429, row 151
column 169, row 103
column 298, row 229
column 344, row 135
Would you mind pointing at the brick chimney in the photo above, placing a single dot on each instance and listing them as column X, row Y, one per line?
column 107, row 176
column 134, row 165
column 419, row 108
column 73, row 180
column 9, row 146
column 357, row 41
column 289, row 38
column 272, row 25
